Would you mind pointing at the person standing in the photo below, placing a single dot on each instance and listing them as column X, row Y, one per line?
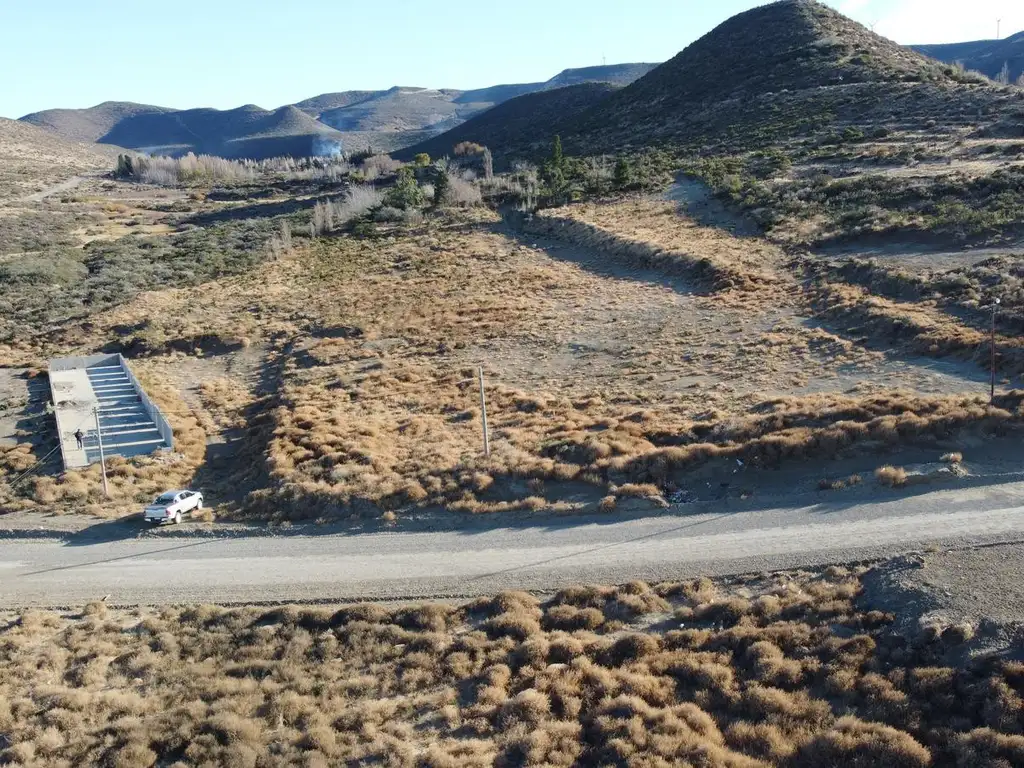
column 79, row 436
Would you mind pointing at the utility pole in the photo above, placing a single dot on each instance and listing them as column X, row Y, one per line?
column 103, row 463
column 999, row 25
column 992, row 354
column 483, row 412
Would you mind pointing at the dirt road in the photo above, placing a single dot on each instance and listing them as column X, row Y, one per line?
column 188, row 568
column 56, row 189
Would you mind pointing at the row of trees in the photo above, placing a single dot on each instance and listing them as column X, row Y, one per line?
column 174, row 171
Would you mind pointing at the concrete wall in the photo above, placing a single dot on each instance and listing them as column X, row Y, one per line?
column 68, row 380
column 154, row 413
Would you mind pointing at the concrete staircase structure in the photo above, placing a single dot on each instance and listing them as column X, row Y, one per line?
column 130, row 424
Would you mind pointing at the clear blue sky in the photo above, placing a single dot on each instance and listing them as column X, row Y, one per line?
column 224, row 53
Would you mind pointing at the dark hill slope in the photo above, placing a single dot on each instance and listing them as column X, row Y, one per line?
column 90, row 124
column 985, row 56
column 247, row 131
column 788, row 69
column 523, row 124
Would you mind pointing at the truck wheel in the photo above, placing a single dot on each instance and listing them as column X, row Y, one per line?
column 177, row 518
column 199, row 505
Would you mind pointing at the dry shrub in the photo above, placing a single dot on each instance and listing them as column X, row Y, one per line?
column 893, row 477
column 988, row 747
column 952, row 458
column 502, row 680
column 854, row 742
column 570, row 618
column 631, row 647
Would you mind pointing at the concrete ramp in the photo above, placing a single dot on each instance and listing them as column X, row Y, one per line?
column 130, row 424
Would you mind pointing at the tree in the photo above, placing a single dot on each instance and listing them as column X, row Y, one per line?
column 1004, row 74
column 406, row 193
column 442, row 182
column 622, row 176
column 557, row 159
column 488, row 161
column 422, row 160
column 286, row 236
column 125, row 167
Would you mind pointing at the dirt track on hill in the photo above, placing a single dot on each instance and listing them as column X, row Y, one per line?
column 56, row 189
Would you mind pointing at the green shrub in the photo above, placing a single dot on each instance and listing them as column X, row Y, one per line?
column 406, row 193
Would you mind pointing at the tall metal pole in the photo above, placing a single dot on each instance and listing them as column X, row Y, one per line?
column 103, row 463
column 483, row 413
column 992, row 354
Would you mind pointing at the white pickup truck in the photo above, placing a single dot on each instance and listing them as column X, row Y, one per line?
column 171, row 505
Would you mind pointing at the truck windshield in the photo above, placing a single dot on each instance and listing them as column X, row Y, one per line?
column 165, row 498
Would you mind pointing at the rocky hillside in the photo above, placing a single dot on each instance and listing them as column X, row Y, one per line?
column 986, row 56
column 522, row 125
column 790, row 68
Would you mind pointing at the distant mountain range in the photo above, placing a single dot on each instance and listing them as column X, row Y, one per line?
column 781, row 69
column 985, row 56
column 325, row 124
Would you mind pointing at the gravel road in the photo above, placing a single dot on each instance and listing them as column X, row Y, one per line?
column 180, row 568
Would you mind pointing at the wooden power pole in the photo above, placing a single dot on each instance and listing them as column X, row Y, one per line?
column 483, row 413
column 992, row 354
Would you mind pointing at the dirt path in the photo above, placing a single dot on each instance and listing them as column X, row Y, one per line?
column 700, row 203
column 56, row 189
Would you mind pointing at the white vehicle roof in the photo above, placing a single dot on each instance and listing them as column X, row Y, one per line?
column 171, row 493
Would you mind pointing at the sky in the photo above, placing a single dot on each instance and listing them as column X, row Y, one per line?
column 225, row 53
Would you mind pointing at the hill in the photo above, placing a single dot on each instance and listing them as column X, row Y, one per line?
column 985, row 56
column 32, row 159
column 398, row 109
column 790, row 68
column 247, row 131
column 317, row 105
column 616, row 74
column 90, row 124
column 522, row 124
column 384, row 120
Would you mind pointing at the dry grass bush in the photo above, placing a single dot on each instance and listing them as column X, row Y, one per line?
column 355, row 436
column 894, row 477
column 190, row 169
column 921, row 325
column 648, row 233
column 378, row 166
column 499, row 681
